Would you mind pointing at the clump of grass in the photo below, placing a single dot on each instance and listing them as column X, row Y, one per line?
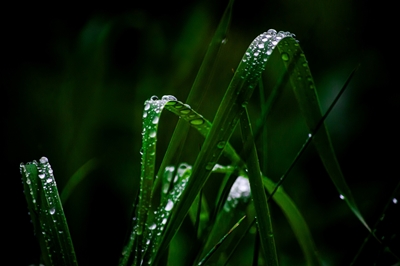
column 173, row 194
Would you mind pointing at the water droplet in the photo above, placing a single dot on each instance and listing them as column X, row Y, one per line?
column 144, row 114
column 41, row 176
column 169, row 206
column 152, row 227
column 185, row 111
column 52, row 211
column 49, row 180
column 221, row 144
column 309, row 135
column 28, row 181
column 261, row 45
column 341, row 197
column 394, row 200
column 285, row 56
column 43, row 160
column 155, row 120
column 164, row 221
column 154, row 98
column 169, row 98
column 210, row 165
column 198, row 121
column 147, row 106
column 153, row 134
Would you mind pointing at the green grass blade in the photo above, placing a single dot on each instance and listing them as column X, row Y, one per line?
column 163, row 212
column 234, row 207
column 226, row 119
column 264, row 223
column 199, row 87
column 208, row 255
column 77, row 177
column 304, row 89
column 296, row 221
column 47, row 213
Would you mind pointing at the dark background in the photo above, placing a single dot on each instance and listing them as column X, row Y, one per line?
column 75, row 79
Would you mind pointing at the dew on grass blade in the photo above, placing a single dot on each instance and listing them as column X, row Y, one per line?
column 221, row 144
column 43, row 160
column 394, row 200
column 197, row 121
column 170, row 205
column 285, row 56
column 52, row 211
column 341, row 197
column 239, row 193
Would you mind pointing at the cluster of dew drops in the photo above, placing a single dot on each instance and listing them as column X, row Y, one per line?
column 260, row 50
column 45, row 174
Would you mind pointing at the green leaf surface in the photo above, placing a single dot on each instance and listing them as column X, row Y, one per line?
column 263, row 215
column 47, row 214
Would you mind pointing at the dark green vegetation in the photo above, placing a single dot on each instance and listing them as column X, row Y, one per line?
column 94, row 120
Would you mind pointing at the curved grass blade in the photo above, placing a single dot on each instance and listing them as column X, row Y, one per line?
column 47, row 214
column 203, row 126
column 77, row 177
column 304, row 90
column 204, row 260
column 200, row 85
column 296, row 221
column 228, row 114
column 263, row 215
column 163, row 212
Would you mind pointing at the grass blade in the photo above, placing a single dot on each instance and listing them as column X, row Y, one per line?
column 77, row 177
column 304, row 89
column 228, row 114
column 264, row 223
column 47, row 213
column 204, row 260
column 199, row 87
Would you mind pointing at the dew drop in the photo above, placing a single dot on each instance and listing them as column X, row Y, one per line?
column 28, row 181
column 197, row 121
column 52, row 211
column 147, row 107
column 155, row 120
column 169, row 98
column 185, row 111
column 309, row 135
column 48, row 180
column 43, row 160
column 154, row 98
column 144, row 114
column 169, row 206
column 285, row 56
column 341, row 197
column 221, row 144
column 394, row 200
column 261, row 45
column 153, row 134
column 41, row 176
column 152, row 227
column 210, row 165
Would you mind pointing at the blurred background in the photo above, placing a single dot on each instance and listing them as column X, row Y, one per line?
column 76, row 79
